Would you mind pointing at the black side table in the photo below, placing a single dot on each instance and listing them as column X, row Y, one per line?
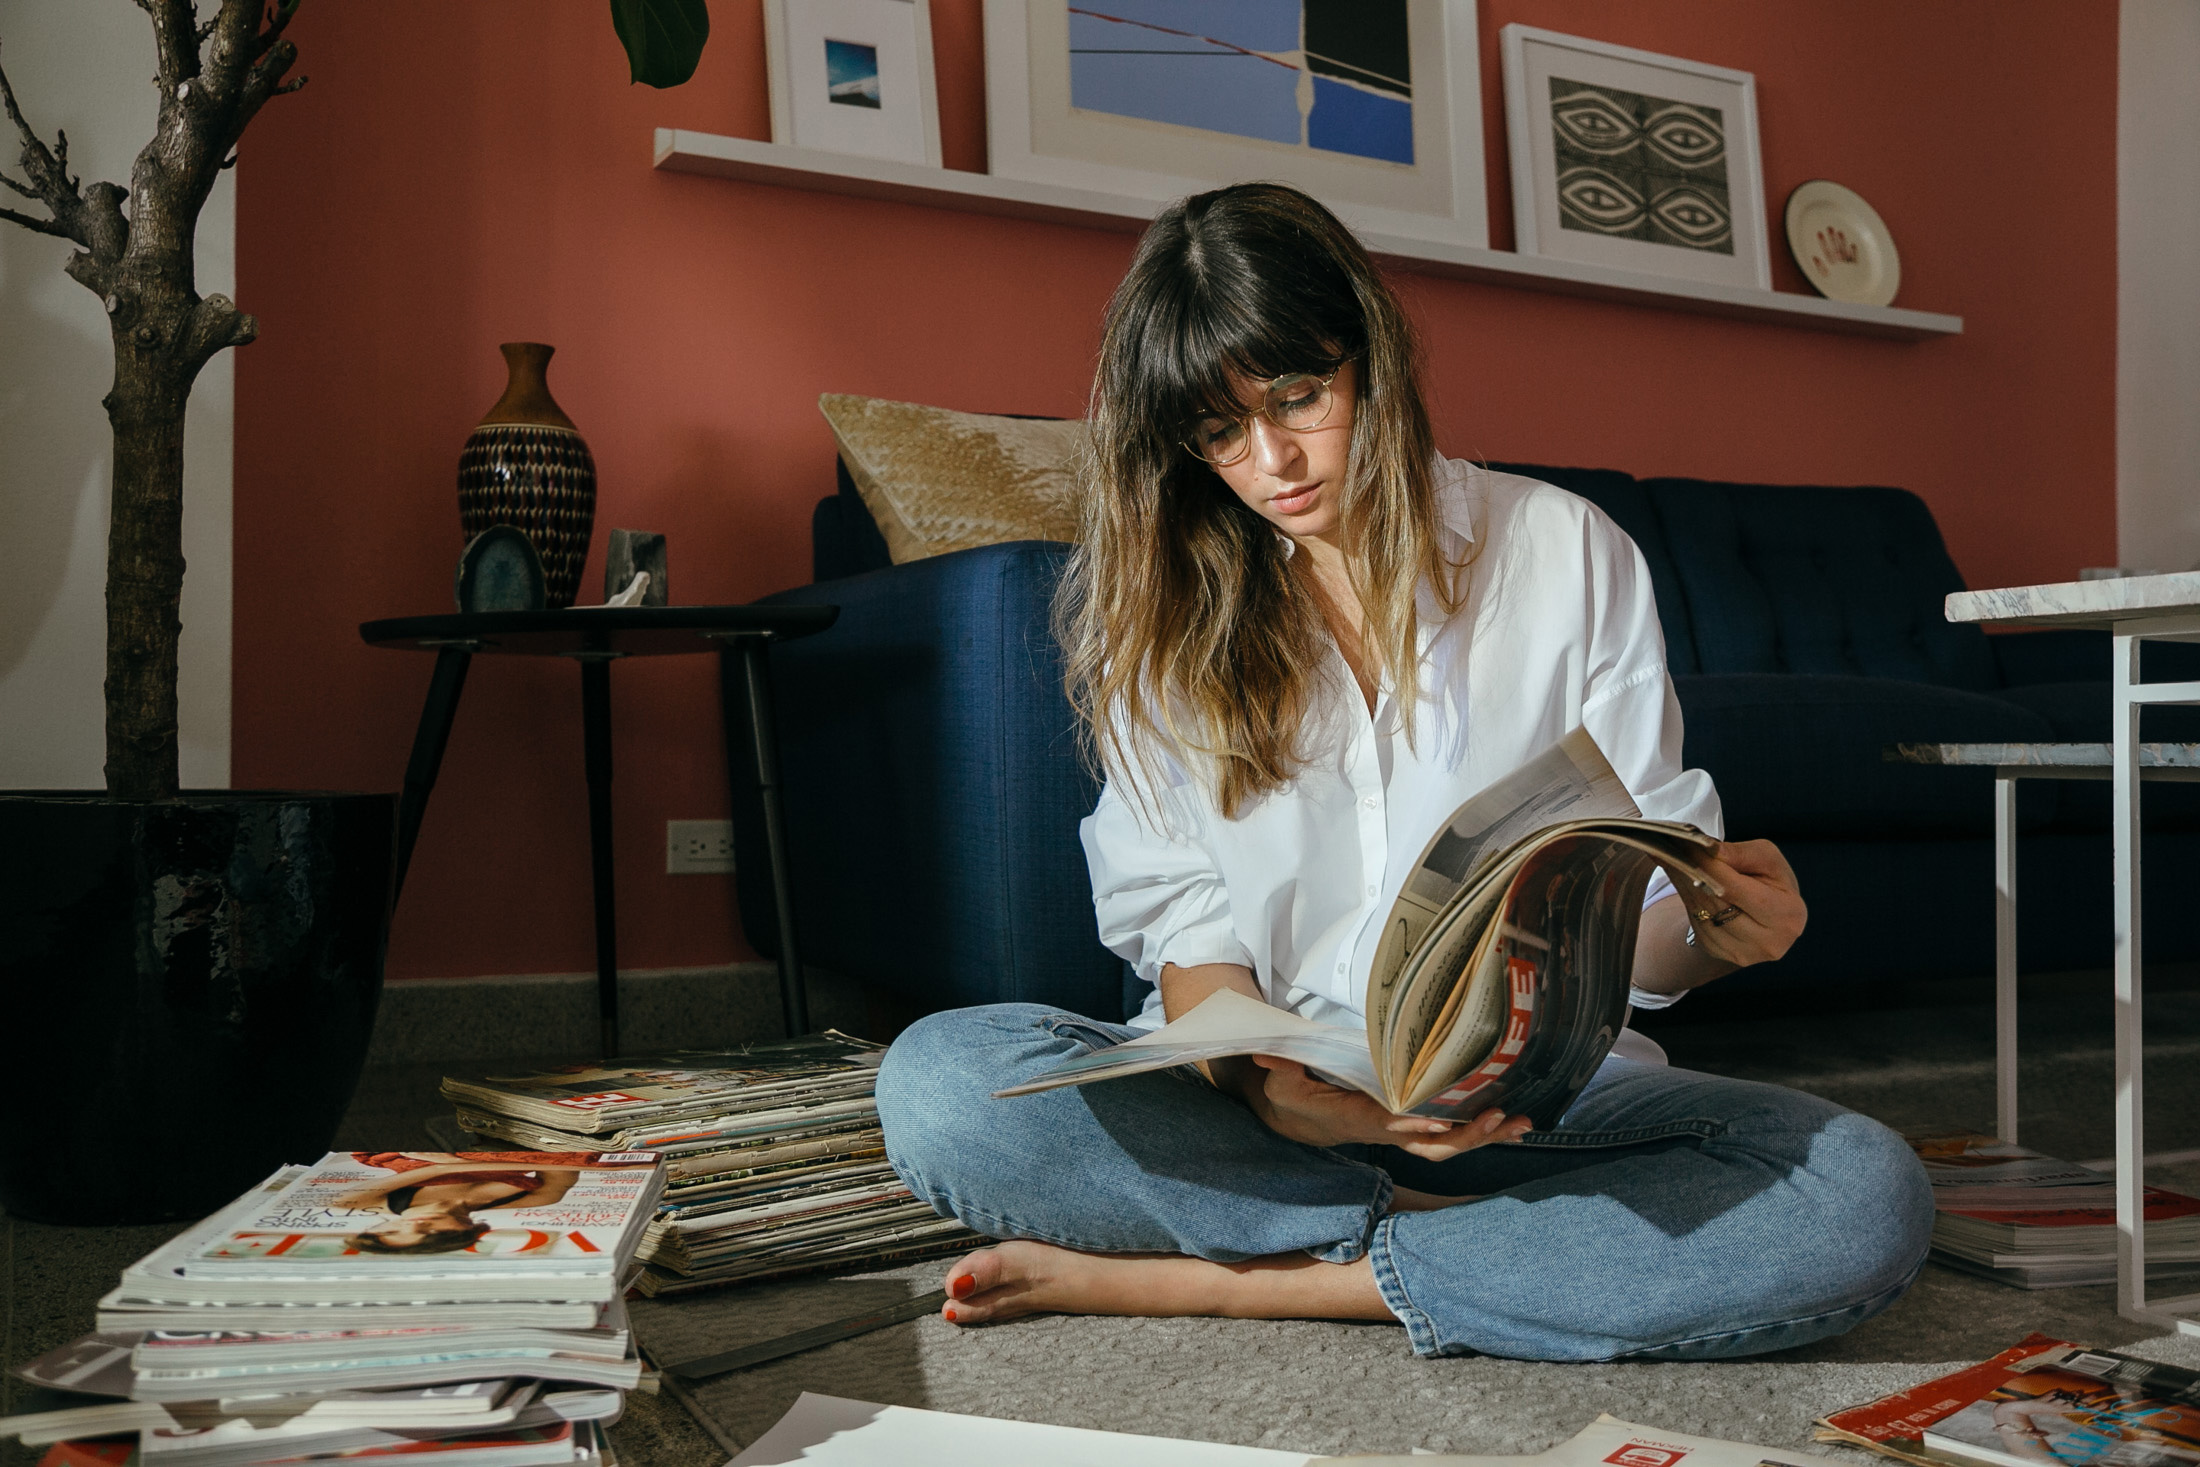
column 596, row 638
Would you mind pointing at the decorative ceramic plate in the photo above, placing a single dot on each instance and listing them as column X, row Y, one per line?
column 1842, row 244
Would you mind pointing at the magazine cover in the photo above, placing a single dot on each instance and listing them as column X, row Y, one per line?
column 1895, row 1425
column 440, row 1212
column 2091, row 1406
column 2014, row 1227
column 1969, row 1159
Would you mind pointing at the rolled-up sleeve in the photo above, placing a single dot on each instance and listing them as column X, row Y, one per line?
column 1630, row 708
column 1157, row 892
column 1628, row 704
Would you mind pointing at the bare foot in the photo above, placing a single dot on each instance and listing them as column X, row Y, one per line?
column 1021, row 1277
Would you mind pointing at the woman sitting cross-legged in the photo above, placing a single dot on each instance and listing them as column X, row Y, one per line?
column 1299, row 639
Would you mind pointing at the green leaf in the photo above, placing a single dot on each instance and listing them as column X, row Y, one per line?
column 663, row 38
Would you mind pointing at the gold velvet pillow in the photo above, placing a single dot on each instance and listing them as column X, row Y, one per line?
column 937, row 480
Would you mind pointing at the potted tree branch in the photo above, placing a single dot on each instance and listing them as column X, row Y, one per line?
column 190, row 977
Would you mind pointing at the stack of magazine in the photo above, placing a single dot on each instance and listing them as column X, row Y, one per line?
column 774, row 1161
column 2037, row 1222
column 464, row 1305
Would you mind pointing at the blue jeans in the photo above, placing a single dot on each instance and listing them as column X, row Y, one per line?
column 1670, row 1216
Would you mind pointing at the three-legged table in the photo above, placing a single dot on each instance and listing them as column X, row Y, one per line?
column 595, row 637
column 2131, row 610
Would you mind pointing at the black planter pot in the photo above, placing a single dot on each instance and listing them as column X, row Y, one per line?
column 187, row 989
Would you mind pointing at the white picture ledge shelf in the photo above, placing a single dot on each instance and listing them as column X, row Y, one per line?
column 680, row 151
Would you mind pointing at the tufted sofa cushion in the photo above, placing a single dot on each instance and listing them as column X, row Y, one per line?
column 1840, row 582
column 1799, row 756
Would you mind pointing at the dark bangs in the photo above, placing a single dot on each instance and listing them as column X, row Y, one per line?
column 1255, row 290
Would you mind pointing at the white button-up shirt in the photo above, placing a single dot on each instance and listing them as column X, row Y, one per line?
column 1558, row 628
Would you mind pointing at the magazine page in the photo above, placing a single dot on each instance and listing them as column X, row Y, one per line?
column 1224, row 1023
column 835, row 1432
column 1565, row 926
column 193, row 1442
column 436, row 1212
column 2016, row 1225
column 2090, row 1406
column 199, row 1383
column 1455, row 968
column 1894, row 1425
column 96, row 1365
column 73, row 1423
column 1571, row 780
column 1969, row 1160
column 120, row 1309
column 1548, row 938
column 1611, row 1440
column 603, row 1097
column 519, row 1443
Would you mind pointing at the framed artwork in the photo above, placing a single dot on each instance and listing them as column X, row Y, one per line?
column 1372, row 106
column 853, row 76
column 1634, row 160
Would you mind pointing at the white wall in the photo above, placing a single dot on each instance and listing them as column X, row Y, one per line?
column 83, row 66
column 2158, row 286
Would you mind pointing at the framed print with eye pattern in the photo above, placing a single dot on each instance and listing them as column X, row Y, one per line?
column 1634, row 160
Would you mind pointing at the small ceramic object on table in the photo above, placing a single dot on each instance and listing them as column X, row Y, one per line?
column 527, row 466
column 1842, row 245
column 629, row 553
column 499, row 571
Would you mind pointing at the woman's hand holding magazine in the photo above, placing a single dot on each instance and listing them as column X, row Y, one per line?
column 1503, row 972
column 1295, row 1104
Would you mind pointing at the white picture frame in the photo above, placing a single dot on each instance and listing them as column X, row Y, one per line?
column 1652, row 199
column 816, row 54
column 1036, row 133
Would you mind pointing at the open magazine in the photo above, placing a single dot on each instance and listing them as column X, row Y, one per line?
column 2042, row 1401
column 1501, row 977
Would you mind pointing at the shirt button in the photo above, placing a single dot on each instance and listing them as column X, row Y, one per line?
column 1340, row 967
column 1371, row 891
column 1371, row 802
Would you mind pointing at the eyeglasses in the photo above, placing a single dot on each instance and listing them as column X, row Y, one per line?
column 1294, row 402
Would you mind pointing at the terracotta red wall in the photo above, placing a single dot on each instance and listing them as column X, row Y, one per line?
column 459, row 175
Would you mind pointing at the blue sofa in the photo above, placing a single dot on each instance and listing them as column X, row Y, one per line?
column 934, row 785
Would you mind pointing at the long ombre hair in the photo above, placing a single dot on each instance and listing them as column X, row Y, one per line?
column 1185, row 625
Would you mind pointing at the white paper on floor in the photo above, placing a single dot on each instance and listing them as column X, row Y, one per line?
column 1611, row 1440
column 843, row 1433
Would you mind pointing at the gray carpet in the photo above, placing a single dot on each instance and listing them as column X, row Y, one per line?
column 1302, row 1386
column 1328, row 1387
column 1921, row 1058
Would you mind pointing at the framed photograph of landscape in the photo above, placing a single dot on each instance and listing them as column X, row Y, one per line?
column 1634, row 160
column 1372, row 106
column 853, row 76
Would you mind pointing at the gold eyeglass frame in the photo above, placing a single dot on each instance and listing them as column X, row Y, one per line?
column 1245, row 420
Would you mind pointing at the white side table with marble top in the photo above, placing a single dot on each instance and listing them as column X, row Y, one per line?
column 2131, row 610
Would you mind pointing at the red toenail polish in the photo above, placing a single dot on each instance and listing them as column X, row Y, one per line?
column 950, row 1316
column 963, row 1287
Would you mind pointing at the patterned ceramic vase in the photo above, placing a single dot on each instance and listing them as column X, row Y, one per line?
column 527, row 466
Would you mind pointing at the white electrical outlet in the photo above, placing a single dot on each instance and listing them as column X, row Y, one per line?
column 698, row 847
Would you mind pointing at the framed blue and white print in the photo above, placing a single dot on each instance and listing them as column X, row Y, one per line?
column 1372, row 106
column 853, row 76
column 1634, row 160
